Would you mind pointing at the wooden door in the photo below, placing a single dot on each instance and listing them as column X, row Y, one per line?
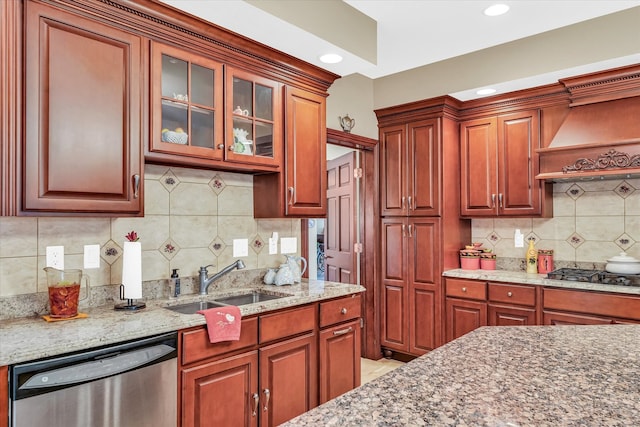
column 221, row 393
column 305, row 154
column 288, row 379
column 464, row 316
column 424, row 284
column 394, row 296
column 479, row 190
column 83, row 133
column 518, row 137
column 501, row 315
column 339, row 360
column 340, row 227
column 555, row 318
column 393, row 171
column 423, row 181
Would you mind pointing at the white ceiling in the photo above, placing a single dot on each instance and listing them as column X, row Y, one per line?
column 413, row 33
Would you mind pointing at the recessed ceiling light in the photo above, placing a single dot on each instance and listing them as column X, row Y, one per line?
column 331, row 58
column 487, row 91
column 496, row 9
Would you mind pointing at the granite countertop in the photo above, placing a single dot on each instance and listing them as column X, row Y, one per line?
column 537, row 279
column 504, row 376
column 33, row 338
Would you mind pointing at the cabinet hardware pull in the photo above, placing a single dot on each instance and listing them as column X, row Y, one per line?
column 291, row 191
column 500, row 199
column 267, row 395
column 344, row 310
column 402, row 202
column 409, row 203
column 404, row 234
column 256, row 404
column 493, row 200
column 410, row 232
column 343, row 331
column 220, row 146
column 136, row 186
column 464, row 289
column 509, row 294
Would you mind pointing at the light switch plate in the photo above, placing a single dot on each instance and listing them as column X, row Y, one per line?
column 91, row 256
column 288, row 245
column 55, row 257
column 518, row 239
column 273, row 246
column 240, row 247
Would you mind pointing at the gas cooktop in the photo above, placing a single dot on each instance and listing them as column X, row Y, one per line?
column 594, row 276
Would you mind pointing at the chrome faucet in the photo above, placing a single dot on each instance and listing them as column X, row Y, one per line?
column 205, row 280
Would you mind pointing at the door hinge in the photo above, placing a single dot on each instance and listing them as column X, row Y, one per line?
column 357, row 248
column 361, row 323
column 357, row 173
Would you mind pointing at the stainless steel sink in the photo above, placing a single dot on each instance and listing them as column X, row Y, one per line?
column 193, row 307
column 243, row 299
column 250, row 298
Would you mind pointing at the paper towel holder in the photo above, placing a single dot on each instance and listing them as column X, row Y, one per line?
column 130, row 305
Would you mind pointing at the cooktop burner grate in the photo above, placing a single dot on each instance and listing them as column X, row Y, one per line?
column 594, row 276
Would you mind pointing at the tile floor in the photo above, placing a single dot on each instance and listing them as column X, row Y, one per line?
column 372, row 369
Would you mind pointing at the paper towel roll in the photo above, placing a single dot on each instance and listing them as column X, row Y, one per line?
column 132, row 270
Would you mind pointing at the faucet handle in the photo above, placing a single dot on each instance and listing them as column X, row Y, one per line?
column 204, row 269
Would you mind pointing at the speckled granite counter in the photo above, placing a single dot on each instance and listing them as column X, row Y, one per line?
column 504, row 376
column 537, row 279
column 33, row 338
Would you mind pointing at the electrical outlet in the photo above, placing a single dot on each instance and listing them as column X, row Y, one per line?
column 55, row 257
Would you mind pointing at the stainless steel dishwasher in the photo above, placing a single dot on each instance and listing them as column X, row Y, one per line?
column 128, row 384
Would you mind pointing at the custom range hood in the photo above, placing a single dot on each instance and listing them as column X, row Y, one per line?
column 599, row 135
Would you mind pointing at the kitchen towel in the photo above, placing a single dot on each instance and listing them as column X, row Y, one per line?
column 223, row 323
column 132, row 270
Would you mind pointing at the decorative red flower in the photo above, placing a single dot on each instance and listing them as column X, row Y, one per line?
column 132, row 236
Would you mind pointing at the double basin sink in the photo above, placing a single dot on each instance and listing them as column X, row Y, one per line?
column 243, row 299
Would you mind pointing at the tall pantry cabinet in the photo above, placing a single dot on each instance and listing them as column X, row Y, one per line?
column 421, row 230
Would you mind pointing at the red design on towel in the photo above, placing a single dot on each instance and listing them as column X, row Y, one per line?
column 223, row 323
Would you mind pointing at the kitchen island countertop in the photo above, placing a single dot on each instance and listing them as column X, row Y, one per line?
column 33, row 338
column 504, row 376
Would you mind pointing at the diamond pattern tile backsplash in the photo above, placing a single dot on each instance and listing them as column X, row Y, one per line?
column 592, row 221
column 191, row 219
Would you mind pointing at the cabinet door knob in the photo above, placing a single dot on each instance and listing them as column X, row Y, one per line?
column 343, row 311
column 220, row 146
column 231, row 147
column 464, row 289
column 509, row 294
column 267, row 395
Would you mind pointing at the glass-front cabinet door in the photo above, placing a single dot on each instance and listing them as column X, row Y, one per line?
column 187, row 99
column 254, row 119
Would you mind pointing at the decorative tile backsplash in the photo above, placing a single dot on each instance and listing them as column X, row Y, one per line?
column 191, row 219
column 592, row 221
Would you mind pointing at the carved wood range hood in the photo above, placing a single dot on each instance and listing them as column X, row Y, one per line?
column 599, row 137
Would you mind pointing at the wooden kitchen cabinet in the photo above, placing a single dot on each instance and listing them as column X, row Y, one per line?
column 410, row 284
column 465, row 306
column 300, row 190
column 339, row 346
column 187, row 110
column 410, row 169
column 499, row 165
column 511, row 305
column 4, row 396
column 577, row 307
column 84, row 84
column 267, row 377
